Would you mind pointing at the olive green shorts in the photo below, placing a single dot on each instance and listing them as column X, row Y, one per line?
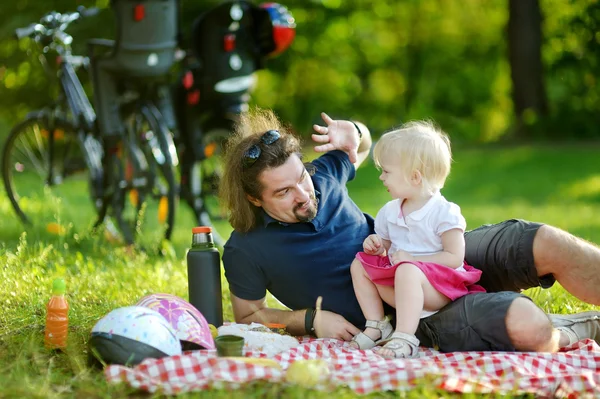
column 504, row 253
column 474, row 322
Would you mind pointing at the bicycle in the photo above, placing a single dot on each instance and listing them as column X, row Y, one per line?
column 228, row 44
column 61, row 143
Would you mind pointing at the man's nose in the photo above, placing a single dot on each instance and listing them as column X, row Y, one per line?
column 303, row 195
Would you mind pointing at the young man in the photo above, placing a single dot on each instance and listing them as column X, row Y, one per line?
column 296, row 232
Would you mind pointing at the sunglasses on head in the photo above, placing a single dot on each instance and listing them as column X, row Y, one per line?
column 253, row 153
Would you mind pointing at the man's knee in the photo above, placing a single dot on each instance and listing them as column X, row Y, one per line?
column 529, row 328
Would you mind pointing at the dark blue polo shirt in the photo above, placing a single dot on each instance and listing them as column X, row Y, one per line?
column 297, row 262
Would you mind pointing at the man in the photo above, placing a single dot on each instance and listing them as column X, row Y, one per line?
column 296, row 232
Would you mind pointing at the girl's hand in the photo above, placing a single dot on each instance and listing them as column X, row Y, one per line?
column 338, row 135
column 373, row 245
column 400, row 256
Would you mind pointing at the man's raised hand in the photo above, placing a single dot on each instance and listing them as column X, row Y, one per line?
column 337, row 135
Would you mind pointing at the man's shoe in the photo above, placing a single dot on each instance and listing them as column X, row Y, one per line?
column 578, row 326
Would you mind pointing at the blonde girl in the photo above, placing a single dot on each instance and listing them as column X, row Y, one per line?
column 415, row 260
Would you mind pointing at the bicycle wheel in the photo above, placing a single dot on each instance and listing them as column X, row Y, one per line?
column 44, row 171
column 204, row 179
column 154, row 172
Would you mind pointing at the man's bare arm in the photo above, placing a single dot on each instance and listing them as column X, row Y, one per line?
column 327, row 324
column 246, row 311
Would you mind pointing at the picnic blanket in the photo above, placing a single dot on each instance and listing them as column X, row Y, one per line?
column 574, row 372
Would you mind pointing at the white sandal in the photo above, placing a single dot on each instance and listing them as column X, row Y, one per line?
column 402, row 345
column 365, row 342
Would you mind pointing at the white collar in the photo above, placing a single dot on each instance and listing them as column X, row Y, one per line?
column 420, row 213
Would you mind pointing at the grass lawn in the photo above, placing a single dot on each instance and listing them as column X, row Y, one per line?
column 556, row 185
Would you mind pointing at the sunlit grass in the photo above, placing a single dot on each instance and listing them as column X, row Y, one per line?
column 558, row 186
column 586, row 187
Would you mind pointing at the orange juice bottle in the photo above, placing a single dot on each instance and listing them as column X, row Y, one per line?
column 57, row 317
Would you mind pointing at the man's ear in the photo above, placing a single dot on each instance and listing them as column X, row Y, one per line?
column 253, row 201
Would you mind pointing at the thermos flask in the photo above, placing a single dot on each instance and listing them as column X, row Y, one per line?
column 204, row 276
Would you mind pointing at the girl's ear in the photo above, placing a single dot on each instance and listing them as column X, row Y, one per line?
column 416, row 178
column 253, row 201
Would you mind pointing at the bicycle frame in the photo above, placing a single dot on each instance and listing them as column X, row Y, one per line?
column 78, row 102
column 83, row 118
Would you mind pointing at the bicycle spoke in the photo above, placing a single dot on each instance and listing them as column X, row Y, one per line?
column 38, row 139
column 28, row 152
column 66, row 156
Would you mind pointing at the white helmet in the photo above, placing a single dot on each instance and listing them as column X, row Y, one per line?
column 131, row 334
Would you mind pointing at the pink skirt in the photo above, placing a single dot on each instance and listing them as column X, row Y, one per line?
column 449, row 282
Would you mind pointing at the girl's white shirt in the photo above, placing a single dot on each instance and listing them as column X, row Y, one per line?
column 420, row 232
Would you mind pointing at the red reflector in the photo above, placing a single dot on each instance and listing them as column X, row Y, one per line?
column 193, row 97
column 283, row 38
column 139, row 12
column 188, row 80
column 229, row 42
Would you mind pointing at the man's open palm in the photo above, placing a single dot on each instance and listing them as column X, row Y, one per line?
column 337, row 135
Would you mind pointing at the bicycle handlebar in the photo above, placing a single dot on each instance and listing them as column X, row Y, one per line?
column 27, row 31
column 55, row 23
column 88, row 12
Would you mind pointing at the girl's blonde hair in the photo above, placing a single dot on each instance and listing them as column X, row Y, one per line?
column 417, row 146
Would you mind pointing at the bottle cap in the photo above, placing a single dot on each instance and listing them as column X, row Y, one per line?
column 58, row 286
column 202, row 229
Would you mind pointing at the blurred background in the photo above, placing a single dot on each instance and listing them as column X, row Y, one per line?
column 499, row 70
column 518, row 72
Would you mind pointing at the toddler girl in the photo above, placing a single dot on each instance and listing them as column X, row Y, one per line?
column 415, row 259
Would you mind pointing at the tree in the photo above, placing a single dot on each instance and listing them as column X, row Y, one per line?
column 525, row 57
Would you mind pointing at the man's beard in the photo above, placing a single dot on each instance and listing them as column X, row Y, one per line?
column 311, row 212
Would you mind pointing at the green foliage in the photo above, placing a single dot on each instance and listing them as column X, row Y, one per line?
column 378, row 61
column 560, row 186
column 572, row 55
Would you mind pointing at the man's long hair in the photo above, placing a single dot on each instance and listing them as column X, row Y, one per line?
column 240, row 180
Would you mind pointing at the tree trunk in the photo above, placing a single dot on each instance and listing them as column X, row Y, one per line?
column 525, row 57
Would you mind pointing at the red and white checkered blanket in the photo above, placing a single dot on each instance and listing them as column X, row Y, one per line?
column 573, row 372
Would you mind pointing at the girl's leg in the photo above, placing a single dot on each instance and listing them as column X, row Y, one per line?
column 368, row 298
column 412, row 293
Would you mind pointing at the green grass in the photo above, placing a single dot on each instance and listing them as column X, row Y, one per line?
column 560, row 186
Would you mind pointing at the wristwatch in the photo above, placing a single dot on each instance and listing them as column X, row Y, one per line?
column 309, row 320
